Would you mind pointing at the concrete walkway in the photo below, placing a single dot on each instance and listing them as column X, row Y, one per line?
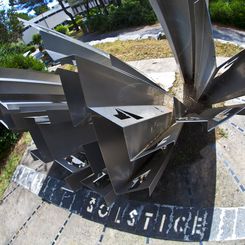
column 213, row 186
column 220, row 33
column 162, row 71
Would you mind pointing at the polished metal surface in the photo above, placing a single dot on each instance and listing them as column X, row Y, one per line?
column 107, row 125
column 230, row 83
column 176, row 18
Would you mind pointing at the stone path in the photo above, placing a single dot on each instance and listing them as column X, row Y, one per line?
column 201, row 200
column 220, row 33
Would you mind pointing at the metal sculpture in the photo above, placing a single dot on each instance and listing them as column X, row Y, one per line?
column 111, row 127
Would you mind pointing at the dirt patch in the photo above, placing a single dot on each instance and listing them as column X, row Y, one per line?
column 152, row 49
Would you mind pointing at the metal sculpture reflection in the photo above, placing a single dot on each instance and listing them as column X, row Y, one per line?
column 111, row 127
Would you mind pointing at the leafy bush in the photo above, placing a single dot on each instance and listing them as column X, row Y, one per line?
column 228, row 12
column 36, row 39
column 13, row 48
column 7, row 139
column 62, row 29
column 130, row 13
column 11, row 57
column 31, row 48
column 21, row 62
column 71, row 27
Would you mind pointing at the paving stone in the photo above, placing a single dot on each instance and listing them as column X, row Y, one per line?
column 14, row 212
column 112, row 237
column 80, row 231
column 43, row 227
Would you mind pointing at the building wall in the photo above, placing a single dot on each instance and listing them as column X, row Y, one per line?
column 49, row 19
column 56, row 16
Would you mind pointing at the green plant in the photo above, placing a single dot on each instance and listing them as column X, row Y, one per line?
column 62, row 29
column 71, row 27
column 13, row 48
column 37, row 39
column 21, row 62
column 130, row 13
column 221, row 133
column 23, row 16
column 31, row 49
column 10, row 27
column 7, row 139
column 228, row 12
column 10, row 161
column 41, row 9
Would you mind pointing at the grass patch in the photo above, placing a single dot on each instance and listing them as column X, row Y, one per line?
column 10, row 163
column 150, row 49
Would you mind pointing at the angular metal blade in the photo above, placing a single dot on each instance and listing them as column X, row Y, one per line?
column 126, row 134
column 74, row 95
column 216, row 116
column 176, row 19
column 24, row 85
column 125, row 89
column 231, row 83
column 149, row 175
column 205, row 60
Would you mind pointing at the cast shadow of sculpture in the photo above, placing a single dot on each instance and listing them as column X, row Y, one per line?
column 188, row 183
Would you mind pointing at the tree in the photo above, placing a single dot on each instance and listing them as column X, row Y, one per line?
column 32, row 4
column 41, row 9
column 69, row 14
column 23, row 16
column 10, row 27
column 36, row 39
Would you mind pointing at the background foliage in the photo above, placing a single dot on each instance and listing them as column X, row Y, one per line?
column 10, row 27
column 129, row 13
column 11, row 56
column 62, row 29
column 7, row 139
column 228, row 12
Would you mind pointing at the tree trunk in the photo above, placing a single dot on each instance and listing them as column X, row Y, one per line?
column 69, row 14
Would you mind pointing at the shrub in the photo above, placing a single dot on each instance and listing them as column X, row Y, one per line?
column 31, row 49
column 62, row 29
column 11, row 57
column 228, row 12
column 21, row 62
column 36, row 39
column 71, row 27
column 238, row 13
column 130, row 13
column 13, row 48
column 7, row 139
